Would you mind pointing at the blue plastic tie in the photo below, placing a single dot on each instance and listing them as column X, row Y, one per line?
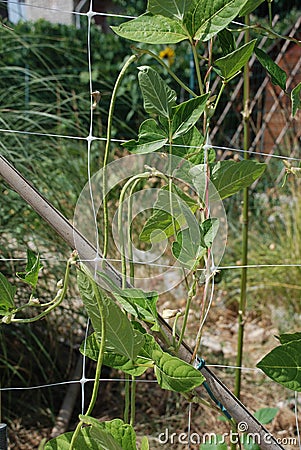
column 200, row 366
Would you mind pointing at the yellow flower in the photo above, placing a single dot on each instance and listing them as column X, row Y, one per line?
column 169, row 54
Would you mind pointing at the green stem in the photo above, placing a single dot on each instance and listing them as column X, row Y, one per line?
column 170, row 72
column 138, row 177
column 270, row 13
column 191, row 294
column 107, row 149
column 126, row 399
column 55, row 302
column 245, row 229
column 197, row 68
column 99, row 359
column 133, row 401
column 130, row 247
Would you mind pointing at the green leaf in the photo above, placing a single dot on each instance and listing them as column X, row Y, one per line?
column 205, row 19
column 90, row 348
column 230, row 177
column 7, row 294
column 231, row 64
column 120, row 335
column 187, row 249
column 174, row 374
column 189, row 146
column 159, row 226
column 150, row 138
column 283, row 365
column 83, row 441
column 152, row 30
column 144, row 443
column 123, row 433
column 142, row 305
column 169, row 8
column 209, row 230
column 278, row 75
column 289, row 337
column 187, row 114
column 33, row 267
column 296, row 99
column 266, row 415
column 227, row 41
column 158, row 97
column 249, row 7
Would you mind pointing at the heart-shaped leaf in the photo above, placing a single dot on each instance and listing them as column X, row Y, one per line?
column 283, row 365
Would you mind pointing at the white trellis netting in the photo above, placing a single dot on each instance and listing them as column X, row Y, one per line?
column 89, row 140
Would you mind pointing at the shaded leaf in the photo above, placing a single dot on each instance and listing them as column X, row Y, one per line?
column 158, row 97
column 249, row 7
column 7, row 295
column 231, row 64
column 187, row 114
column 296, row 99
column 169, row 8
column 278, row 75
column 283, row 365
column 152, row 30
column 289, row 337
column 33, row 267
column 209, row 229
column 205, row 19
column 227, row 41
column 174, row 374
column 189, row 146
column 150, row 138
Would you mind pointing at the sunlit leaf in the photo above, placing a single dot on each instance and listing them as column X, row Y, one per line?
column 205, row 19
column 90, row 348
column 296, row 99
column 278, row 75
column 158, row 97
column 83, row 441
column 33, row 267
column 187, row 114
column 230, row 177
column 152, row 30
column 120, row 335
column 169, row 8
column 283, row 365
column 231, row 64
column 150, row 138
column 174, row 374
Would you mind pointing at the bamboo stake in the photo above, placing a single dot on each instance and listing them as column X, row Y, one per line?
column 88, row 253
